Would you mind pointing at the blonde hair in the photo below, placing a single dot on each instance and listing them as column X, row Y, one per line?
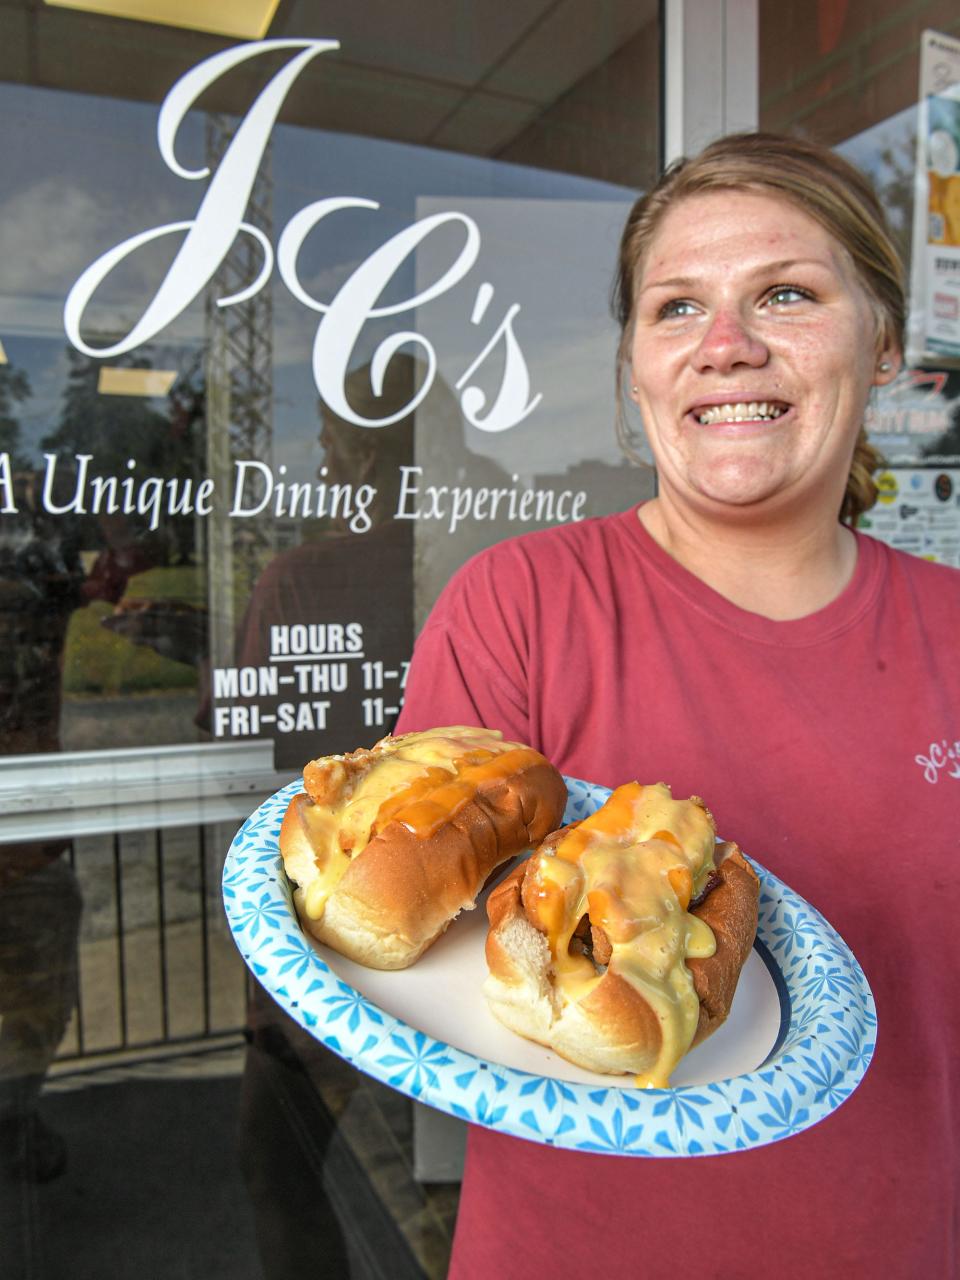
column 822, row 185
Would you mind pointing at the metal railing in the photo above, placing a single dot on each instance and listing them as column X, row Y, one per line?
column 156, row 965
column 148, row 830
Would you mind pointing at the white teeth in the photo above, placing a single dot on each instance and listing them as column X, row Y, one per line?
column 756, row 410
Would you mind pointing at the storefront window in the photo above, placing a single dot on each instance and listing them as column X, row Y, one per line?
column 289, row 329
column 176, row 445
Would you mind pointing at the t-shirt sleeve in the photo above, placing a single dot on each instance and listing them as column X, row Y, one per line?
column 469, row 662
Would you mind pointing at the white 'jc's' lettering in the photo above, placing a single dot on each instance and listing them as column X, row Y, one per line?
column 219, row 220
column 944, row 756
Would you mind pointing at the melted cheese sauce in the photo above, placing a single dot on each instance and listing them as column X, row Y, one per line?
column 420, row 780
column 633, row 866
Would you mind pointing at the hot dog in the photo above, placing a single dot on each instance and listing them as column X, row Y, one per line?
column 387, row 845
column 620, row 941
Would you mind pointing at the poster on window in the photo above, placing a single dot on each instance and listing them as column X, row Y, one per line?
column 935, row 285
column 918, row 510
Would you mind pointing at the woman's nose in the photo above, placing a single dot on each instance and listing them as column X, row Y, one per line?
column 728, row 342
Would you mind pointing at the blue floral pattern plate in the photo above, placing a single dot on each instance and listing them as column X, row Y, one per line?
column 798, row 1041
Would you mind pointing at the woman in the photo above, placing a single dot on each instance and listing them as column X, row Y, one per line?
column 735, row 638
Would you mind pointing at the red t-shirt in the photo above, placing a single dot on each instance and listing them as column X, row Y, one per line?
column 829, row 748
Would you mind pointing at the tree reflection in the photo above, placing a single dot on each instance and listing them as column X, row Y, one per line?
column 14, row 391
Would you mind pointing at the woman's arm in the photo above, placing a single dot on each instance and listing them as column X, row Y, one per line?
column 452, row 682
column 469, row 663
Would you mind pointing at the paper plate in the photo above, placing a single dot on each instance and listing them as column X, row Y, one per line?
column 797, row 1043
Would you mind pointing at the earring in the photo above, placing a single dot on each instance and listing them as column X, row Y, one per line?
column 885, row 366
column 634, row 389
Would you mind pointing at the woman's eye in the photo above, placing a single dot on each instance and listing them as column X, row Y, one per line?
column 675, row 307
column 784, row 294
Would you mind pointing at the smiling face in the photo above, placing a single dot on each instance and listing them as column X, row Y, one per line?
column 753, row 353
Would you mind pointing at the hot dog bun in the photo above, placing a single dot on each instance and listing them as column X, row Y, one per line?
column 620, row 941
column 386, row 846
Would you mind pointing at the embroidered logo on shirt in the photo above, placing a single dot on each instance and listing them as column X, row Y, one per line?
column 944, row 757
